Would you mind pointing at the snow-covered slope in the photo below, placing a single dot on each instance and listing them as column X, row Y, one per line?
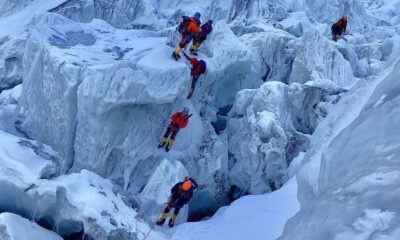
column 256, row 217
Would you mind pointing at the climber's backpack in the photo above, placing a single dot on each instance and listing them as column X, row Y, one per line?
column 182, row 26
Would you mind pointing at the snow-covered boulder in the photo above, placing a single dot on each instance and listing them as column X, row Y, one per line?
column 53, row 55
column 14, row 227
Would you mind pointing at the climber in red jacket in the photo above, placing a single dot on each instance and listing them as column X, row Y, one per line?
column 178, row 120
column 198, row 67
column 338, row 28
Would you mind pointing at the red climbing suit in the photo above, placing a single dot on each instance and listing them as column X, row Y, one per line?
column 181, row 119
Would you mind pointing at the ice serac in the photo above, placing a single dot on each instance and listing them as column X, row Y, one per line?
column 14, row 227
column 276, row 50
column 350, row 204
column 267, row 128
column 110, row 93
column 319, row 60
column 55, row 68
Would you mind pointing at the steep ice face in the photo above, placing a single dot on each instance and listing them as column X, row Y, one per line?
column 62, row 62
column 355, row 199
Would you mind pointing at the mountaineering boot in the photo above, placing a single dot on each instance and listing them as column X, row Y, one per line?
column 171, row 222
column 162, row 143
column 336, row 37
column 161, row 221
column 175, row 56
column 190, row 93
column 168, row 147
column 193, row 49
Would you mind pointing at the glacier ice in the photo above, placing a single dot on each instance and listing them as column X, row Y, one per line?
column 371, row 157
column 279, row 100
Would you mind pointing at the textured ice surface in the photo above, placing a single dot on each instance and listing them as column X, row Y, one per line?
column 354, row 196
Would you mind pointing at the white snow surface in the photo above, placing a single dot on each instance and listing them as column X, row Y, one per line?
column 14, row 227
column 256, row 217
column 15, row 21
column 82, row 197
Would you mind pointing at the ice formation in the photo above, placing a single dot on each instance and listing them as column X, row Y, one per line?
column 87, row 89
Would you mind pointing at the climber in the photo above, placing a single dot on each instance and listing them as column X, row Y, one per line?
column 181, row 194
column 198, row 68
column 205, row 29
column 338, row 28
column 188, row 28
column 178, row 120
